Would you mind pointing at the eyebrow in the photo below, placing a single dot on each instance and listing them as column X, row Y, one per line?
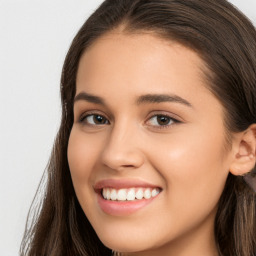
column 143, row 99
column 90, row 98
column 159, row 98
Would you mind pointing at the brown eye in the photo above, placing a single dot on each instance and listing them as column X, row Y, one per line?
column 94, row 119
column 97, row 119
column 162, row 121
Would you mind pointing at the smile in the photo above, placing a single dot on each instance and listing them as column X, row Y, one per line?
column 119, row 197
column 129, row 194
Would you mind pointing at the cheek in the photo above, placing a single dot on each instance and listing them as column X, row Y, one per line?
column 193, row 166
column 82, row 153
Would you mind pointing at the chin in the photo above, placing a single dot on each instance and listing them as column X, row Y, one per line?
column 124, row 246
column 129, row 242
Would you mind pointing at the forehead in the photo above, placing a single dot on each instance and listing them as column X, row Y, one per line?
column 144, row 57
column 119, row 68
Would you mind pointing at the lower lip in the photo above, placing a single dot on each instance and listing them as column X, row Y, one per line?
column 122, row 208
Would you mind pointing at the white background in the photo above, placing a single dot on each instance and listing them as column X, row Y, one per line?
column 34, row 38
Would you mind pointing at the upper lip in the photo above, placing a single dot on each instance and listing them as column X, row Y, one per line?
column 122, row 183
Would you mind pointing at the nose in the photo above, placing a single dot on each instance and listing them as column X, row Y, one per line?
column 123, row 149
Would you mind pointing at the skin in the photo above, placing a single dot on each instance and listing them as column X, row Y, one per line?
column 188, row 159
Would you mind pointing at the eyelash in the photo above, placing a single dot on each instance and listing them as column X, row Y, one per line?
column 83, row 118
column 172, row 121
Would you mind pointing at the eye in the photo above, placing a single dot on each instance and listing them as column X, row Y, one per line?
column 162, row 121
column 93, row 119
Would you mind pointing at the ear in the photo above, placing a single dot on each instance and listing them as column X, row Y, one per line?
column 244, row 152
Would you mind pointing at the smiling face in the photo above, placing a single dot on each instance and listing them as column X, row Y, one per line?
column 149, row 135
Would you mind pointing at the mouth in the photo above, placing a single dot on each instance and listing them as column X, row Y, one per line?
column 124, row 197
column 129, row 194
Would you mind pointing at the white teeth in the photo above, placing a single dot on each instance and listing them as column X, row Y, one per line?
column 108, row 194
column 130, row 194
column 139, row 193
column 121, row 195
column 155, row 192
column 113, row 195
column 147, row 193
column 104, row 193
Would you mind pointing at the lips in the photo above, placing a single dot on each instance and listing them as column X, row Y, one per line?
column 124, row 197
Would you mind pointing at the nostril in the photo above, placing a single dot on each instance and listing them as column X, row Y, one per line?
column 121, row 157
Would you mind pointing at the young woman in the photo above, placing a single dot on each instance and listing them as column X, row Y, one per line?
column 158, row 135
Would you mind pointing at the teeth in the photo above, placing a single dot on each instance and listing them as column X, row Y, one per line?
column 104, row 193
column 139, row 193
column 147, row 193
column 130, row 194
column 121, row 195
column 108, row 194
column 155, row 192
column 113, row 195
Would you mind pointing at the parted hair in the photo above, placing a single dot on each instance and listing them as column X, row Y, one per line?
column 226, row 41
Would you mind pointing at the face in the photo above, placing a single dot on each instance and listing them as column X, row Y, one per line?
column 147, row 148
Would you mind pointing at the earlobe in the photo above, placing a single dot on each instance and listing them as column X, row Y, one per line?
column 244, row 157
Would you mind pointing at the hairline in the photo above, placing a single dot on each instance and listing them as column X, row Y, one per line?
column 126, row 28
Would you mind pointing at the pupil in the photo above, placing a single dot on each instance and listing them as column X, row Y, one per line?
column 163, row 120
column 98, row 119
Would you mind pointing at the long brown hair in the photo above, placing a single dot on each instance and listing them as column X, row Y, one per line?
column 226, row 40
